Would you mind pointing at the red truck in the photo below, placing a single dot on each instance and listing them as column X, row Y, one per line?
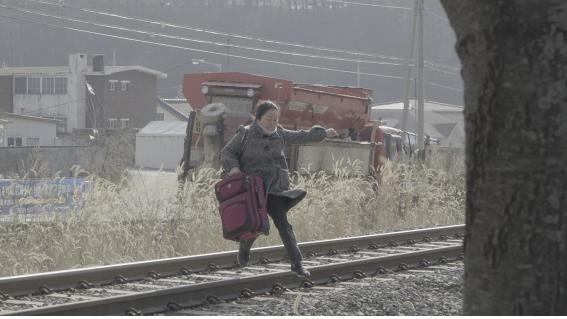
column 346, row 109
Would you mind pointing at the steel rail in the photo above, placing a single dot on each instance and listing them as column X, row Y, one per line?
column 94, row 276
column 171, row 299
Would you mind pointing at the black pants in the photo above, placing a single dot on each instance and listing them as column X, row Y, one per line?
column 277, row 210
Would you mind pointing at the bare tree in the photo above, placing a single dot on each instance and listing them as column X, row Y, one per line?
column 514, row 59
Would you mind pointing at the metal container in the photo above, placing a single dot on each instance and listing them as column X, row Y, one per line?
column 332, row 155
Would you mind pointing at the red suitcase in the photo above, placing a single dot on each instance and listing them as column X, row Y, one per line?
column 242, row 206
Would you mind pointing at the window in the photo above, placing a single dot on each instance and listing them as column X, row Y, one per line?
column 32, row 141
column 112, row 85
column 37, row 85
column 47, row 85
column 14, row 141
column 60, row 85
column 124, row 123
column 20, row 85
column 34, row 85
column 124, row 85
column 111, row 123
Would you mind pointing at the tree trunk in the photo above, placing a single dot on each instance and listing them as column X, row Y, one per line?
column 514, row 58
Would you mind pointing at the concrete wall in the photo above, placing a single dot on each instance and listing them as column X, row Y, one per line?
column 18, row 159
column 163, row 152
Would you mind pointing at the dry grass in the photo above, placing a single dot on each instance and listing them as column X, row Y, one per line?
column 140, row 219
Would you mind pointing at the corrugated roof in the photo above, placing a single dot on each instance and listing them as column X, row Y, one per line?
column 108, row 69
column 164, row 128
column 437, row 120
column 35, row 70
column 28, row 117
column 322, row 91
column 393, row 118
column 65, row 70
column 179, row 107
column 428, row 106
column 233, row 84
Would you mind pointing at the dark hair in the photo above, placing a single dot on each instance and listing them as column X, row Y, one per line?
column 265, row 106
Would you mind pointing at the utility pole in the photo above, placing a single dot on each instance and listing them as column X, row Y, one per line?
column 227, row 55
column 410, row 61
column 420, row 104
column 357, row 70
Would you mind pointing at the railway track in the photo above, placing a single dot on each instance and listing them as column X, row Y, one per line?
column 176, row 283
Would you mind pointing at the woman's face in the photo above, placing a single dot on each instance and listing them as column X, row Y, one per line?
column 270, row 120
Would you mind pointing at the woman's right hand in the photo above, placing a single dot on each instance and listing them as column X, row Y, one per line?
column 330, row 132
column 234, row 170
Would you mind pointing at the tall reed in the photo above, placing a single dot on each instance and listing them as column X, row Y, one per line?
column 140, row 217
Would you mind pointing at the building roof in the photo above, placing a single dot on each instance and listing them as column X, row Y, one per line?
column 345, row 91
column 177, row 107
column 233, row 84
column 28, row 117
column 456, row 138
column 108, row 69
column 437, row 120
column 322, row 90
column 428, row 106
column 180, row 105
column 164, row 128
column 35, row 70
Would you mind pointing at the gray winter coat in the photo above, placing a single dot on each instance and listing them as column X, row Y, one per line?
column 263, row 155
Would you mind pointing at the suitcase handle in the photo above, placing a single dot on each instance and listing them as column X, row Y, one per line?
column 245, row 180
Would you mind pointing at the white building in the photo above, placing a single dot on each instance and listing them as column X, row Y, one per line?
column 54, row 91
column 442, row 121
column 82, row 96
column 159, row 145
column 22, row 130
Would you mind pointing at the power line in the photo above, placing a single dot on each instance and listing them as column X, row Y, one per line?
column 443, row 86
column 450, row 68
column 164, row 24
column 442, row 67
column 221, row 54
column 199, row 50
column 153, row 34
column 435, row 15
column 369, row 4
column 51, row 107
column 434, row 66
column 441, row 70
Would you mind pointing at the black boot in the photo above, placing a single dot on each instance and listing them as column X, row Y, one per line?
column 244, row 253
column 299, row 271
column 290, row 243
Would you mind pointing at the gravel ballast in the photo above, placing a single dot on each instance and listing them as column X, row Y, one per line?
column 431, row 291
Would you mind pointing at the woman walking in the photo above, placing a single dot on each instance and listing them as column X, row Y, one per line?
column 257, row 149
